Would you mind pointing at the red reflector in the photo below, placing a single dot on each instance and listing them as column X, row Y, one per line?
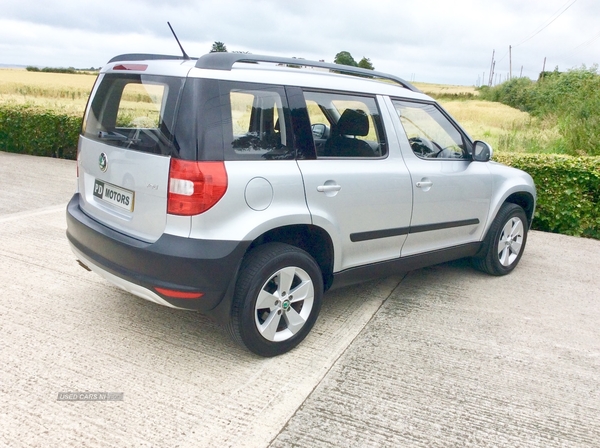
column 179, row 294
column 136, row 67
column 194, row 187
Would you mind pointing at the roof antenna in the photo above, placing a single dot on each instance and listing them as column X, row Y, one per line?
column 185, row 56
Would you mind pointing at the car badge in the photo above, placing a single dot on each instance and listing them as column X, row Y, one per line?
column 103, row 162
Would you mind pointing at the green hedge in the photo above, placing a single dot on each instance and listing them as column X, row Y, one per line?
column 571, row 98
column 32, row 130
column 568, row 190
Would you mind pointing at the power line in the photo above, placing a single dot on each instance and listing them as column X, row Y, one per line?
column 587, row 42
column 590, row 41
column 502, row 58
column 554, row 16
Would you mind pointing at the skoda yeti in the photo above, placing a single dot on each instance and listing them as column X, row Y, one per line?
column 246, row 186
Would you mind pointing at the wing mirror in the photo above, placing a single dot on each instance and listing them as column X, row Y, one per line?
column 482, row 151
column 319, row 131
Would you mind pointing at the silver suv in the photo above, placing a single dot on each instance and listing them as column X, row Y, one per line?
column 245, row 186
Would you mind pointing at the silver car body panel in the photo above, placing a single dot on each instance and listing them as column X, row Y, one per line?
column 374, row 196
column 507, row 181
column 459, row 193
column 260, row 196
column 446, row 193
column 145, row 175
column 364, row 197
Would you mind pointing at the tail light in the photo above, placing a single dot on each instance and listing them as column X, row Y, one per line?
column 194, row 187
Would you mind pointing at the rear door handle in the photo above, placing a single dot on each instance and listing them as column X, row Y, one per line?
column 328, row 188
column 424, row 184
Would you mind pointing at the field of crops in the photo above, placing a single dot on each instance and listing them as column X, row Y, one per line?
column 56, row 91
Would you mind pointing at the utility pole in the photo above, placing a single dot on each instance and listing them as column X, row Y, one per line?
column 492, row 69
column 544, row 68
column 521, row 74
column 509, row 62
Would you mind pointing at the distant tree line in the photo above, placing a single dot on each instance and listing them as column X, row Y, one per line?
column 345, row 58
column 218, row 47
column 69, row 70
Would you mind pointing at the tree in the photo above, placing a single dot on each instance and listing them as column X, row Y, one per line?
column 218, row 47
column 345, row 58
column 366, row 63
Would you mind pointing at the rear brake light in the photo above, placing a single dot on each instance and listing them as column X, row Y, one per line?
column 194, row 187
column 136, row 67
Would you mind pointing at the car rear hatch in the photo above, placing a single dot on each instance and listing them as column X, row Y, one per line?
column 126, row 147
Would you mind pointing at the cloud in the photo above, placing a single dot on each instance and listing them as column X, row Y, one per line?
column 432, row 40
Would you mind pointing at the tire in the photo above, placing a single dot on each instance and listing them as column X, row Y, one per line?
column 277, row 299
column 505, row 241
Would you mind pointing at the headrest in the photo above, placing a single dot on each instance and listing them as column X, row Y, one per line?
column 353, row 122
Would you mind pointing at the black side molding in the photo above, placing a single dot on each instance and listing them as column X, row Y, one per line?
column 376, row 234
column 386, row 233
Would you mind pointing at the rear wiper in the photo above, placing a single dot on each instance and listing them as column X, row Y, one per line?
column 115, row 136
column 111, row 136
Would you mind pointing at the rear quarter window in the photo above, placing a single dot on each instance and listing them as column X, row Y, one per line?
column 259, row 123
column 231, row 120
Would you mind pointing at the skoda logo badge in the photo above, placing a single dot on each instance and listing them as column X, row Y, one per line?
column 103, row 162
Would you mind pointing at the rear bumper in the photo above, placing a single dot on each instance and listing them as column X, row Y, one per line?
column 173, row 263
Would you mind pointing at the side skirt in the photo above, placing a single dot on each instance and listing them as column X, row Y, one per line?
column 400, row 265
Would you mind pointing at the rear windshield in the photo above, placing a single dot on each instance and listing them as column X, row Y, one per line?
column 134, row 112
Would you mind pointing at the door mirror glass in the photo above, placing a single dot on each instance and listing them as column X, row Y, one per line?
column 318, row 130
column 482, row 151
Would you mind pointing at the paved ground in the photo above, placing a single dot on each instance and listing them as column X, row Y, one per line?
column 444, row 356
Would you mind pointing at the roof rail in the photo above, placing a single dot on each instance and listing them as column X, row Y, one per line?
column 142, row 57
column 225, row 61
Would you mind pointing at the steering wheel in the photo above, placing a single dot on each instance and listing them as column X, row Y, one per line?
column 425, row 147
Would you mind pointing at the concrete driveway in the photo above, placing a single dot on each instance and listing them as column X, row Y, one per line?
column 444, row 356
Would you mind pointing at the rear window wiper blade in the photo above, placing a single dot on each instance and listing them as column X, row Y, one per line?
column 111, row 136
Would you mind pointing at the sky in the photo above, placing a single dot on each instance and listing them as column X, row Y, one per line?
column 434, row 41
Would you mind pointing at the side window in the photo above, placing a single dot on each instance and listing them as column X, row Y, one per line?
column 258, row 124
column 430, row 133
column 345, row 125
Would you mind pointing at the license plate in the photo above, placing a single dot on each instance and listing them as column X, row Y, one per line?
column 117, row 196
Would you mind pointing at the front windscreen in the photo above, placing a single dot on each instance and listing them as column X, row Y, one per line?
column 134, row 112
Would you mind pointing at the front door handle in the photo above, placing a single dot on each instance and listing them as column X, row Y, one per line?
column 424, row 184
